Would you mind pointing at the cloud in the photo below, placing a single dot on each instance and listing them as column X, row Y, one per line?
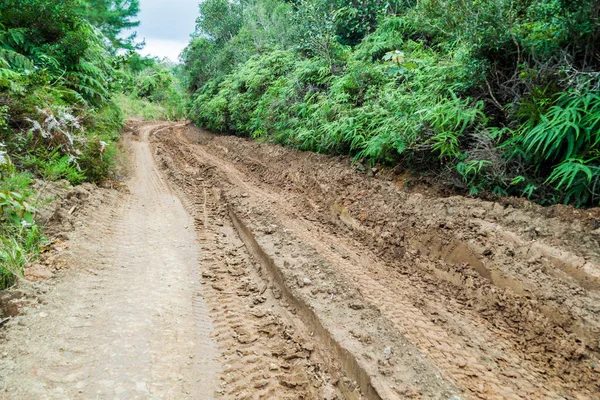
column 164, row 48
column 166, row 26
column 171, row 19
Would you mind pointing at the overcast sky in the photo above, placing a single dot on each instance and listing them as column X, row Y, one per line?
column 166, row 25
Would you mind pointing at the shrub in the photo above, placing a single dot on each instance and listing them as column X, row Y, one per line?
column 499, row 97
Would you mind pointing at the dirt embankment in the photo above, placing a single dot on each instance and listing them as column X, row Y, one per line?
column 502, row 299
column 62, row 209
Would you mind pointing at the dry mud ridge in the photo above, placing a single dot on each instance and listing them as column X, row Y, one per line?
column 224, row 268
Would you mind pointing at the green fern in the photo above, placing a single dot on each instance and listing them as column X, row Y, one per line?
column 578, row 179
column 449, row 120
column 9, row 57
column 12, row 59
column 569, row 129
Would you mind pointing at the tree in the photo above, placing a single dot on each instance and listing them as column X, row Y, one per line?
column 112, row 17
column 355, row 19
column 219, row 20
column 316, row 21
column 198, row 63
column 269, row 24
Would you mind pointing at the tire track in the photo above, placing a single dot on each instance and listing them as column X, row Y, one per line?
column 263, row 350
column 180, row 159
column 129, row 320
column 474, row 368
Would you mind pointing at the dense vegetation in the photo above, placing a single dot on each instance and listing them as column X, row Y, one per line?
column 491, row 96
column 494, row 96
column 149, row 89
column 59, row 73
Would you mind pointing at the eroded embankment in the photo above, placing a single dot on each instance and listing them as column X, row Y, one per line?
column 500, row 298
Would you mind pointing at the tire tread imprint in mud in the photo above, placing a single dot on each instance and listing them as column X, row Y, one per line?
column 263, row 354
column 488, row 349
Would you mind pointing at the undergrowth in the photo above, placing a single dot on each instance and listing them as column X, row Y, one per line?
column 140, row 109
column 499, row 98
column 149, row 90
column 58, row 119
column 20, row 237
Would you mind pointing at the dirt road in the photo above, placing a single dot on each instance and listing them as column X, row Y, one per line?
column 132, row 321
column 124, row 325
column 497, row 300
column 238, row 270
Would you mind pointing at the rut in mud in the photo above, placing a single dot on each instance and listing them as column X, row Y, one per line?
column 131, row 318
column 432, row 295
column 238, row 270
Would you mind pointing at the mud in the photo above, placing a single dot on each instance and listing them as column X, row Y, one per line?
column 501, row 298
column 225, row 268
column 141, row 304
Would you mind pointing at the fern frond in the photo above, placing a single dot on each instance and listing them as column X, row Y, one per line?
column 10, row 79
column 15, row 60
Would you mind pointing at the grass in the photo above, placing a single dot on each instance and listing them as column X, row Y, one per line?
column 18, row 247
column 141, row 109
column 20, row 237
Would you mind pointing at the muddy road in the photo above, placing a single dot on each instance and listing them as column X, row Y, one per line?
column 229, row 269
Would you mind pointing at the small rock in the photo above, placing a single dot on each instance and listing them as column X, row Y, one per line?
column 37, row 272
column 261, row 384
column 62, row 236
column 269, row 230
column 217, row 287
column 308, row 347
column 478, row 212
column 387, row 351
column 306, row 281
column 511, row 373
column 258, row 313
column 43, row 315
column 292, row 381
